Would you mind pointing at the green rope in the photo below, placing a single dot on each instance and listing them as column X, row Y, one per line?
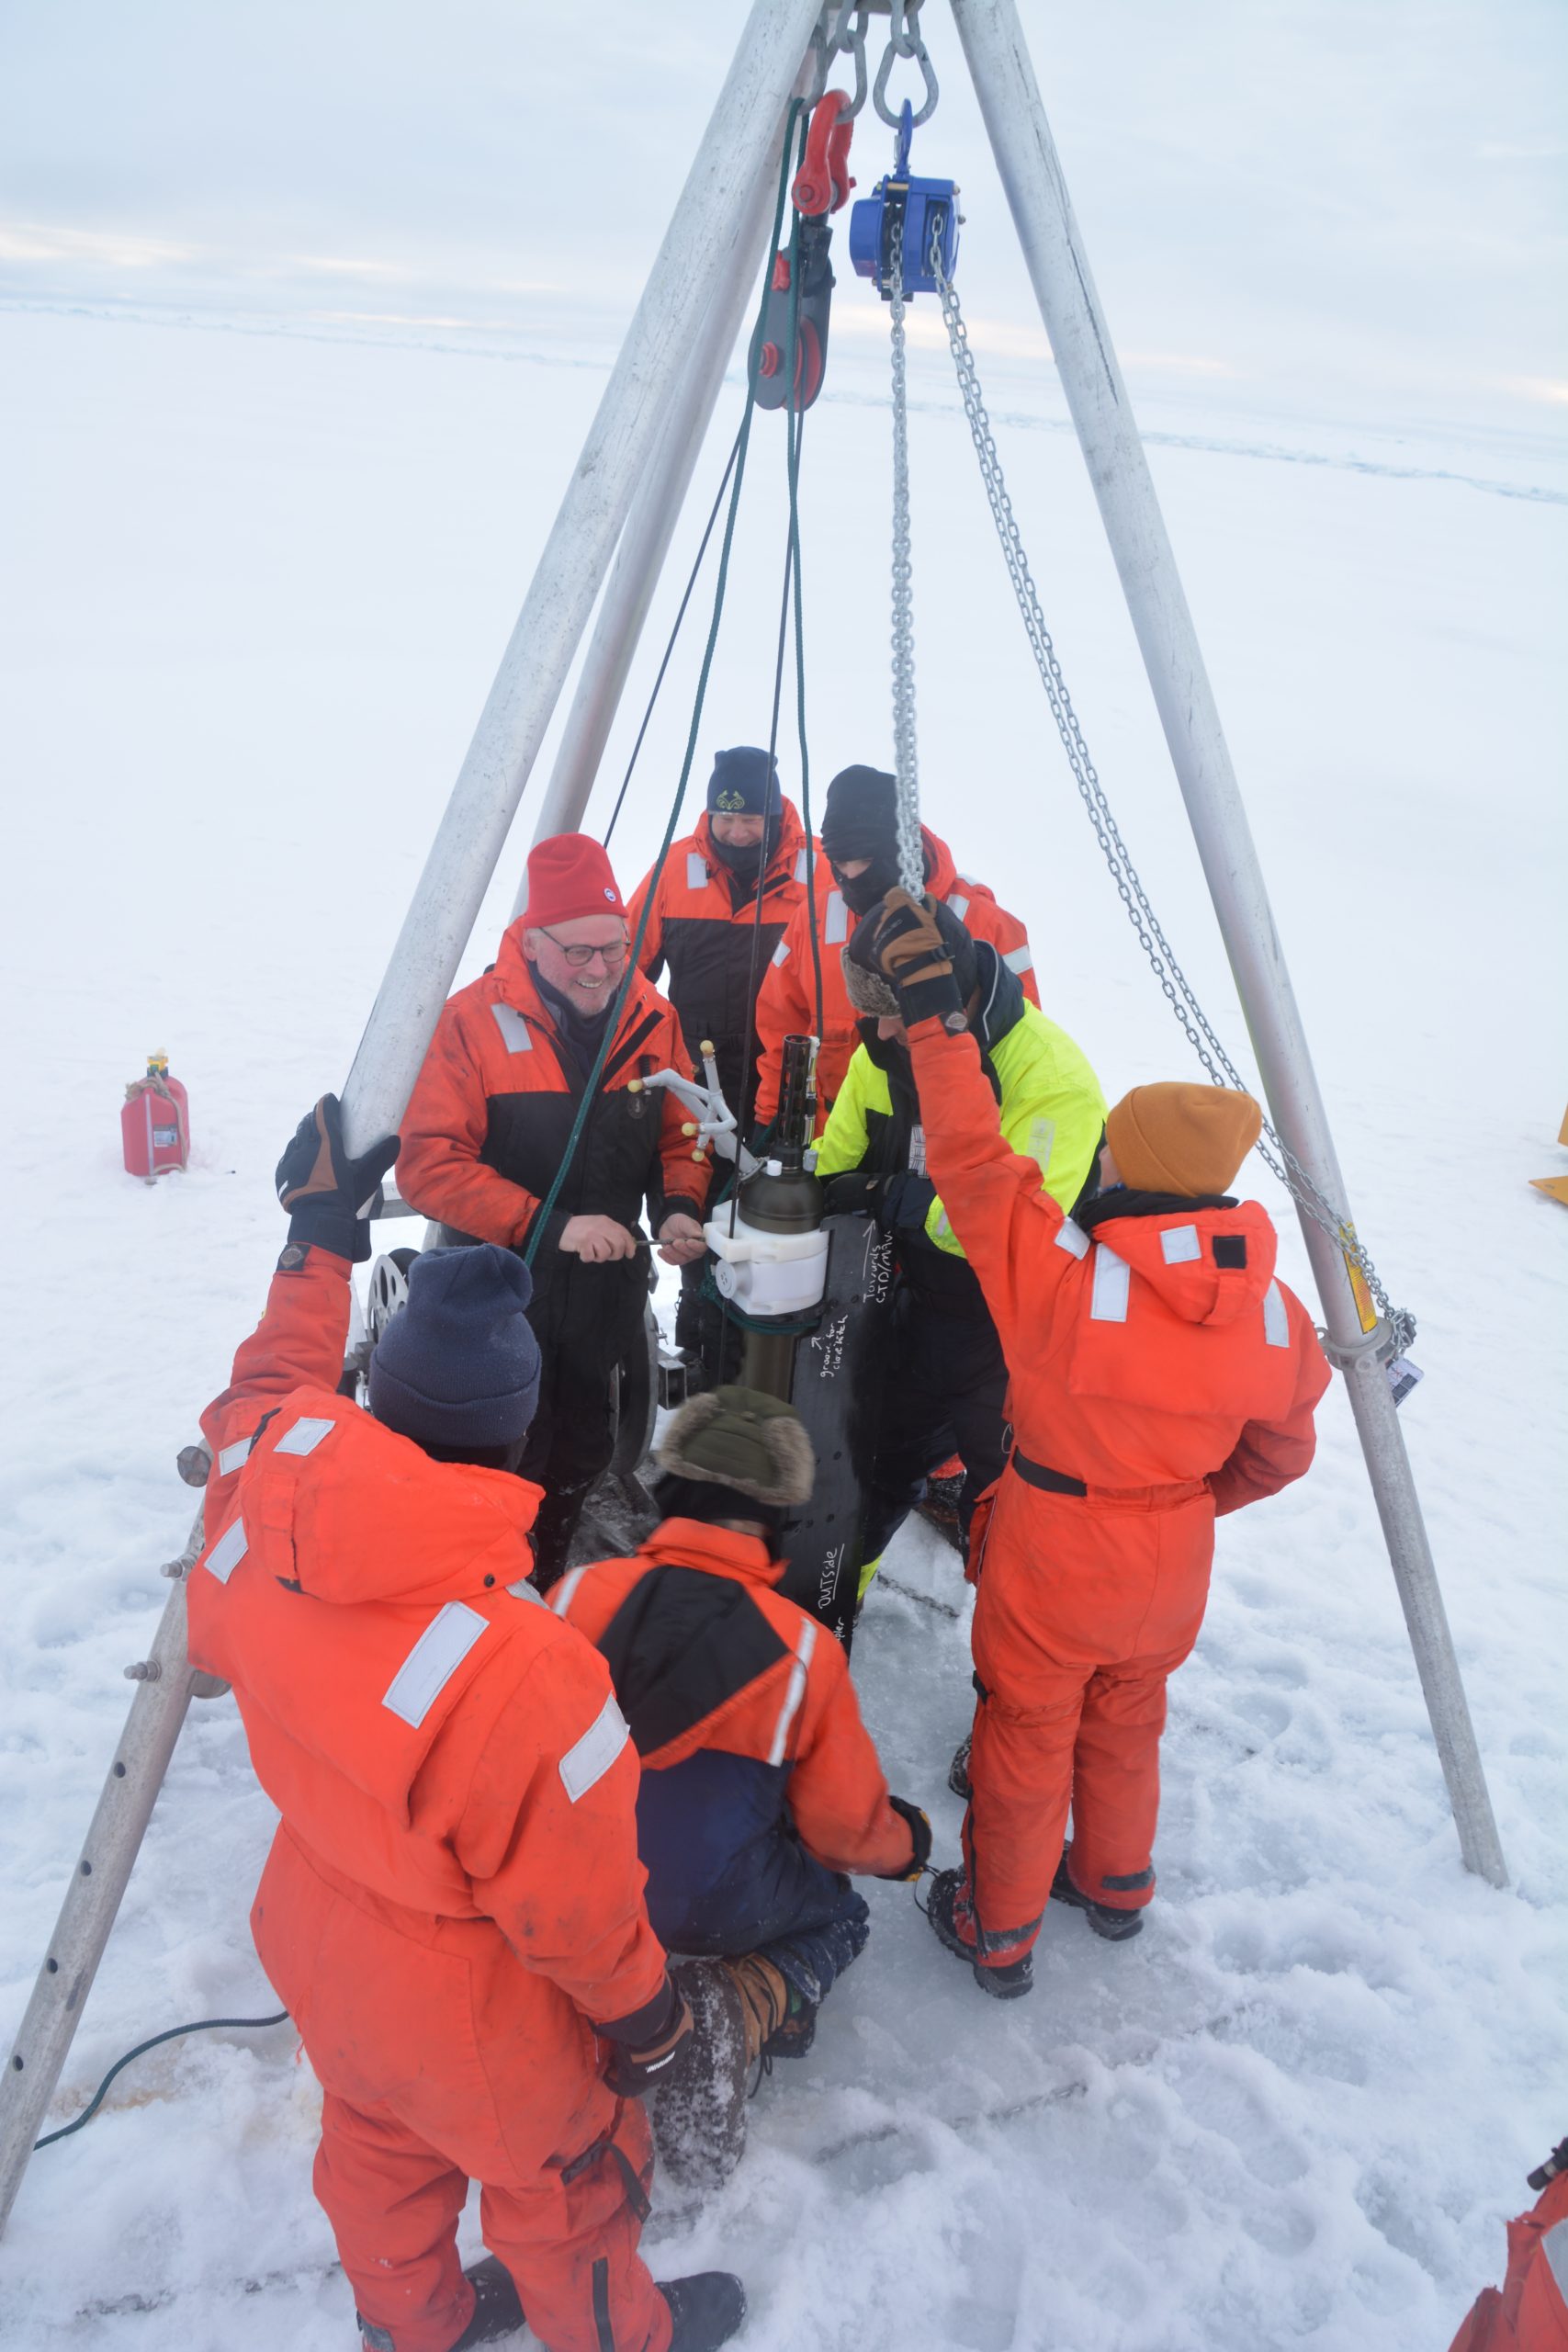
column 612, row 1021
column 203, row 2025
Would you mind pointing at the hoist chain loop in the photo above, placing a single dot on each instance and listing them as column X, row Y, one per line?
column 1399, row 1324
column 904, row 40
column 911, row 855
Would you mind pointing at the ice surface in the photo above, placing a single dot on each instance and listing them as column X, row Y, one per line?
column 260, row 562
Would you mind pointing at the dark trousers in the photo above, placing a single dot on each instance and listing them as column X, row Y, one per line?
column 569, row 1443
column 945, row 1392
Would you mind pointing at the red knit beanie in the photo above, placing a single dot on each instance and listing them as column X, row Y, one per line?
column 570, row 875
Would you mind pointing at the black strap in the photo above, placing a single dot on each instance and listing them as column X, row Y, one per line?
column 1050, row 1481
column 627, row 1047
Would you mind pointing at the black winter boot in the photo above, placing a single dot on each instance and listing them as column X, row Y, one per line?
column 706, row 2310
column 699, row 2119
column 497, row 2311
column 958, row 1771
column 949, row 1914
column 1111, row 1920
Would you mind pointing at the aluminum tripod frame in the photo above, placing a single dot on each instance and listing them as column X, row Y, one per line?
column 647, row 425
column 669, row 365
column 1080, row 341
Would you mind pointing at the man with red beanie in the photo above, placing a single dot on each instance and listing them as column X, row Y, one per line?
column 860, row 845
column 452, row 1911
column 484, row 1137
column 1160, row 1374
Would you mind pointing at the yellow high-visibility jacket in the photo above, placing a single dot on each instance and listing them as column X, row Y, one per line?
column 1052, row 1110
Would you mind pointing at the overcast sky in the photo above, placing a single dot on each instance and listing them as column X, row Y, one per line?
column 1351, row 204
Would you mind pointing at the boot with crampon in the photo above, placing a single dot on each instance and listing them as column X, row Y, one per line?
column 738, row 2008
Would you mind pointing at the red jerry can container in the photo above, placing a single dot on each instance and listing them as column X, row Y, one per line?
column 155, row 1122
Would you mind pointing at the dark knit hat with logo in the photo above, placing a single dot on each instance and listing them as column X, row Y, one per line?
column 460, row 1364
column 744, row 783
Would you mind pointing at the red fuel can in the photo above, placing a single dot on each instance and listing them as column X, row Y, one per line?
column 154, row 1126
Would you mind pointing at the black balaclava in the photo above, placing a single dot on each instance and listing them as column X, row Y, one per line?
column 860, row 820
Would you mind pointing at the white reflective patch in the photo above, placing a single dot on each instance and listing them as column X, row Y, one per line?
column 433, row 1661
column 973, row 880
column 1276, row 1318
column 228, row 1552
column 696, row 871
column 1107, row 1302
column 594, row 1752
column 560, row 1600
column 838, row 924
column 234, row 1457
column 524, row 1590
column 1042, row 1137
column 796, row 1692
column 1072, row 1238
column 304, row 1436
column 781, row 953
column 1555, row 2246
column 1178, row 1244
column 958, row 905
column 800, row 866
column 1020, row 959
column 513, row 1029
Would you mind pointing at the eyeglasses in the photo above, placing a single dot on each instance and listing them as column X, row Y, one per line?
column 578, row 957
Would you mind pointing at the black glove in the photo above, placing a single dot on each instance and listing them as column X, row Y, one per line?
column 901, row 1198
column 907, row 948
column 854, row 1194
column 324, row 1190
column 647, row 2048
column 920, row 1834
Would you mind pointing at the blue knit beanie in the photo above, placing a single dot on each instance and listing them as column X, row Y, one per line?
column 459, row 1365
column 744, row 783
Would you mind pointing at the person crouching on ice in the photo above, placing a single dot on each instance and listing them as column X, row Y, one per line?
column 760, row 1788
column 452, row 1910
column 1160, row 1374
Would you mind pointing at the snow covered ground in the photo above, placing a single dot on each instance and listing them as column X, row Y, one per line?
column 266, row 530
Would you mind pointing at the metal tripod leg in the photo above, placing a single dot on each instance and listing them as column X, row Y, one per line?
column 165, row 1686
column 651, row 527
column 1080, row 342
column 713, row 217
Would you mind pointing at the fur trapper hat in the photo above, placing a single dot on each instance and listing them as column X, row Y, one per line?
column 744, row 1440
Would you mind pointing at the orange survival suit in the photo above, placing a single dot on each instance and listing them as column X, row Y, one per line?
column 704, row 925
column 453, row 1896
column 1159, row 1374
column 1530, row 2311
column 482, row 1138
column 787, row 1006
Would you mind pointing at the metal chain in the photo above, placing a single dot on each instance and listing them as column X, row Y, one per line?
column 844, row 37
column 912, row 853
column 904, row 40
column 1399, row 1323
